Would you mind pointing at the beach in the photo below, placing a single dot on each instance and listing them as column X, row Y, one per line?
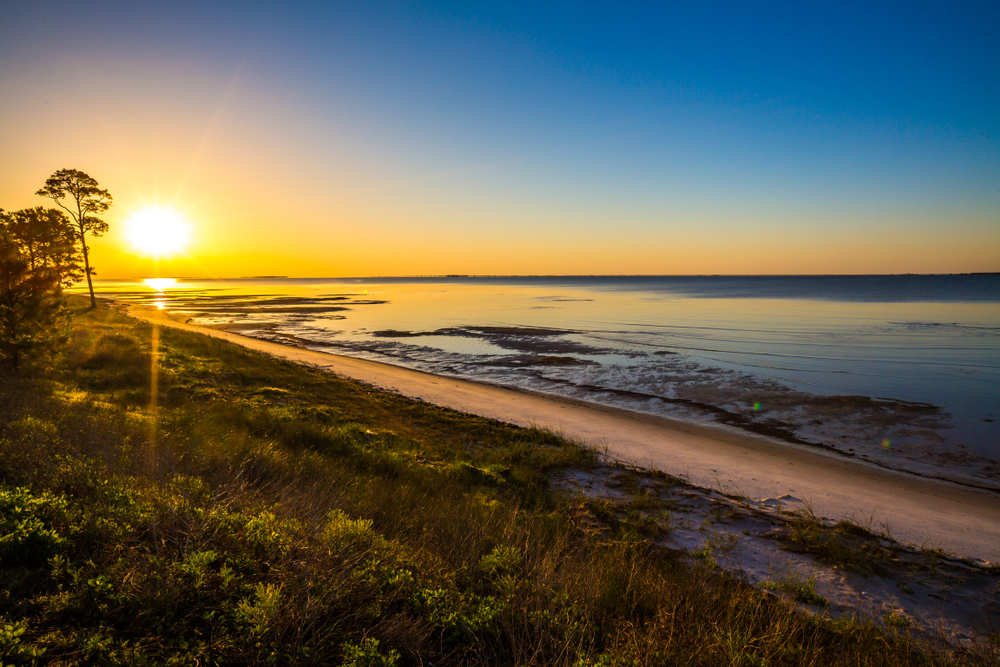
column 961, row 520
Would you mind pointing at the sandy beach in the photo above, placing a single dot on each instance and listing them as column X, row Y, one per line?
column 961, row 520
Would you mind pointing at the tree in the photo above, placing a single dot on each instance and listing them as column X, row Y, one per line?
column 85, row 199
column 31, row 303
column 48, row 239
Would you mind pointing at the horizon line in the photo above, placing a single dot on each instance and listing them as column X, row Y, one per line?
column 568, row 275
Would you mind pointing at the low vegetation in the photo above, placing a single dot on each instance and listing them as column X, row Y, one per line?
column 848, row 544
column 800, row 589
column 209, row 505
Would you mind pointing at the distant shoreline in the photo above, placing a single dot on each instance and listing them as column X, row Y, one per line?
column 487, row 276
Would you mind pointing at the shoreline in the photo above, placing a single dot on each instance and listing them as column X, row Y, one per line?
column 961, row 519
column 725, row 421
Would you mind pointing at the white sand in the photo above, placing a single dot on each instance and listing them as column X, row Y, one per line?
column 961, row 520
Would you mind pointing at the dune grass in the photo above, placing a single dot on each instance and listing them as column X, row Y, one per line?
column 260, row 512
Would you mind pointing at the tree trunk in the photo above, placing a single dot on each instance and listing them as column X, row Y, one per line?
column 86, row 268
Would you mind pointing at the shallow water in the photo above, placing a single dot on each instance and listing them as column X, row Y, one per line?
column 903, row 371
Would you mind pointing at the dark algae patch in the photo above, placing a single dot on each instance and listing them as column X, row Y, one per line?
column 268, row 513
column 532, row 340
column 518, row 331
column 393, row 333
column 538, row 360
column 474, row 331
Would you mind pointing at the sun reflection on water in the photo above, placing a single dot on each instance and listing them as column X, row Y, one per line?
column 160, row 284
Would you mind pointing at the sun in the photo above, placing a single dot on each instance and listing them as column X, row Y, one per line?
column 156, row 231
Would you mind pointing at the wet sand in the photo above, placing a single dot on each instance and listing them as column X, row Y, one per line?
column 961, row 520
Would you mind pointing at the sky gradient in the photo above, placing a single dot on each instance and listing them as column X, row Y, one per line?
column 360, row 139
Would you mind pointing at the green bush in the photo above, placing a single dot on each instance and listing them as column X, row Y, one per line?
column 27, row 537
column 367, row 654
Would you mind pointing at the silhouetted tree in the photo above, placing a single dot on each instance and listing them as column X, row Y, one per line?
column 85, row 199
column 31, row 303
column 48, row 239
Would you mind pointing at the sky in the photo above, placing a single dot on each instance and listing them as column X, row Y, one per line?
column 391, row 139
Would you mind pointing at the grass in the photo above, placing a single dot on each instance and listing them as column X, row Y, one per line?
column 260, row 512
column 798, row 588
column 848, row 544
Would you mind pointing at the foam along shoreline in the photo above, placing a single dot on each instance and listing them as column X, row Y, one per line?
column 961, row 520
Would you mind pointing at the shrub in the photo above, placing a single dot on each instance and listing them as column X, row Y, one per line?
column 367, row 654
column 26, row 534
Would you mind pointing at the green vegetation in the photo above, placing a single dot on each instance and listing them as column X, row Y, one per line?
column 800, row 589
column 848, row 545
column 245, row 510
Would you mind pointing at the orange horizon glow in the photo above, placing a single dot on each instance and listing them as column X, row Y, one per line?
column 230, row 248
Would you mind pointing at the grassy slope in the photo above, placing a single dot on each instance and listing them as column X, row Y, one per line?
column 274, row 513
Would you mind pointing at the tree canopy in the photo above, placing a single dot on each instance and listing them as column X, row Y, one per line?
column 38, row 257
column 48, row 240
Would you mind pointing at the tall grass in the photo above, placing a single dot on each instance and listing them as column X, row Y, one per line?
column 280, row 515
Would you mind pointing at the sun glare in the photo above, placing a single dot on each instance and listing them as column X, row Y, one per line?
column 160, row 284
column 159, row 232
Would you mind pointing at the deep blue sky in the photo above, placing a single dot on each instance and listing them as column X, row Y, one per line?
column 719, row 137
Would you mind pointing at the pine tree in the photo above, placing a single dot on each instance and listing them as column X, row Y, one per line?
column 84, row 199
